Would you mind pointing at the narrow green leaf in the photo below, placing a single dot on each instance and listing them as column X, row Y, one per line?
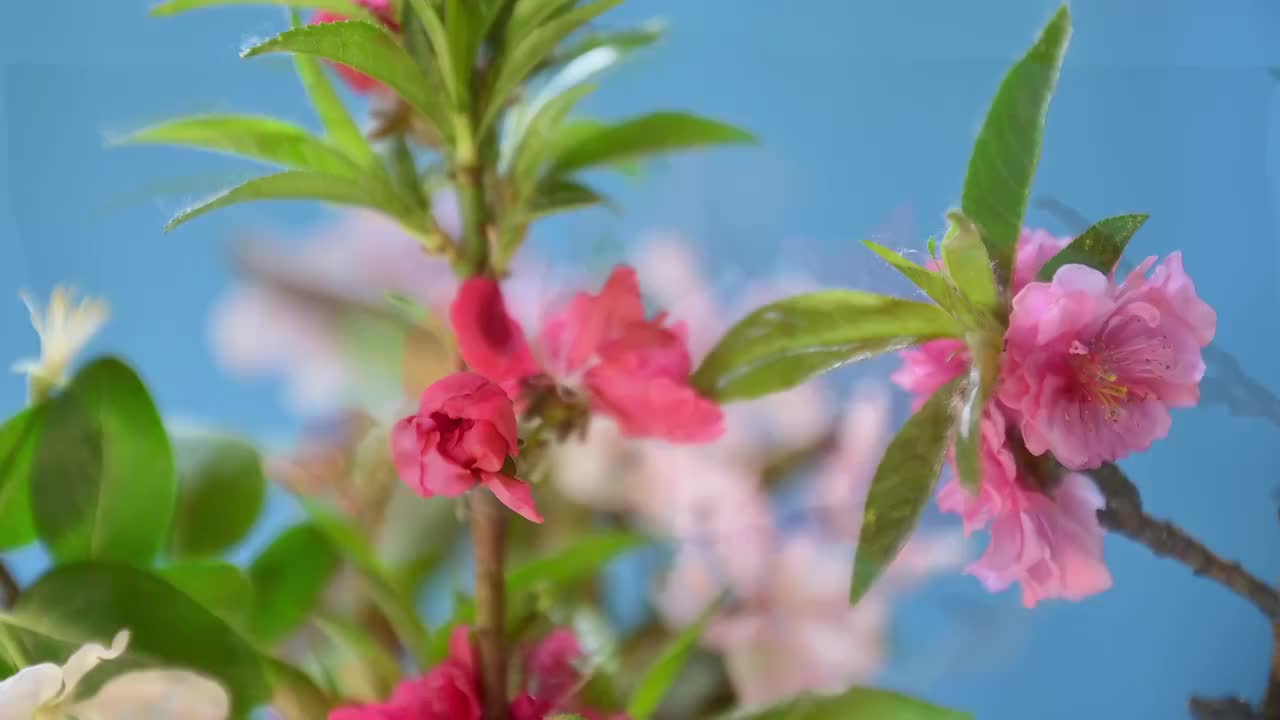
column 852, row 704
column 222, row 588
column 342, row 129
column 536, row 141
column 530, row 50
column 580, row 560
column 1099, row 247
column 789, row 341
column 93, row 601
column 967, row 263
column 349, row 8
column 298, row 185
column 294, row 694
column 997, row 185
column 625, row 41
column 527, row 15
column 559, row 195
column 19, row 438
column 103, row 455
column 362, row 46
column 455, row 79
column 259, row 138
column 398, row 609
column 984, row 352
column 931, row 283
column 289, row 578
column 464, row 30
column 659, row 677
column 221, row 493
column 653, row 134
column 901, row 487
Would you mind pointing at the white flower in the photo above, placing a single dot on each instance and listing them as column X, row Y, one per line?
column 64, row 327
column 47, row 691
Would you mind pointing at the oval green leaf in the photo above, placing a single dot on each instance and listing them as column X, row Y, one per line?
column 92, row 601
column 19, row 438
column 251, row 136
column 102, row 481
column 289, row 577
column 902, row 486
column 789, row 341
column 222, row 588
column 967, row 263
column 997, row 185
column 1099, row 247
column 221, row 493
column 853, row 704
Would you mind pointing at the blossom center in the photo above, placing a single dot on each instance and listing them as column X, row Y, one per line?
column 1099, row 382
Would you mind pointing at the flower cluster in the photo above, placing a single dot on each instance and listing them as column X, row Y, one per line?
column 451, row 690
column 1090, row 370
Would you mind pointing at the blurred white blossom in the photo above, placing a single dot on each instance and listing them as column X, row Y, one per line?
column 65, row 327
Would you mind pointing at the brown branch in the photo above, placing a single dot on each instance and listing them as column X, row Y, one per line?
column 488, row 537
column 1123, row 514
column 1222, row 709
column 1271, row 699
column 9, row 588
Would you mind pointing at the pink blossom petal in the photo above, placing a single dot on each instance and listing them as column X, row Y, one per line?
column 489, row 340
column 513, row 493
column 655, row 407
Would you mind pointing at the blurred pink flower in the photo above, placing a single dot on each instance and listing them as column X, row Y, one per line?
column 1049, row 543
column 1092, row 367
column 1035, row 248
column 928, row 366
column 449, row 691
column 633, row 369
column 461, row 436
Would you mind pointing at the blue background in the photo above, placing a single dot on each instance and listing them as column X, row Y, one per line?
column 863, row 107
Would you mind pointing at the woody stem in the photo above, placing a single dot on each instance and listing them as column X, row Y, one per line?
column 488, row 537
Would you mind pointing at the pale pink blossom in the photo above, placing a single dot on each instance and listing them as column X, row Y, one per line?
column 928, row 366
column 1093, row 367
column 1049, row 543
column 1035, row 248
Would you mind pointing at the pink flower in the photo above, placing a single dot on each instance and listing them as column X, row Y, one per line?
column 1093, row 367
column 461, row 436
column 631, row 368
column 1050, row 544
column 928, row 366
column 358, row 81
column 449, row 691
column 1035, row 248
column 551, row 678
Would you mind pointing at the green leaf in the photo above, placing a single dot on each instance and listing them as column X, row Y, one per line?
column 362, row 652
column 577, row 561
column 293, row 694
column 984, row 365
column 528, row 51
column 934, row 284
column 535, row 141
column 349, row 8
column 92, row 601
column 219, row 586
column 399, row 610
column 456, row 77
column 362, row 46
column 19, row 438
column 221, row 493
column 1099, row 247
column 557, row 195
column 259, row 138
column 625, row 41
column 662, row 674
column 789, row 341
column 852, row 704
column 102, row 482
column 527, row 15
column 997, row 185
column 967, row 263
column 289, row 578
column 901, row 487
column 342, row 129
column 652, row 134
column 297, row 185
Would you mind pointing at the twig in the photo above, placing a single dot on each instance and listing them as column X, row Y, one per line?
column 1222, row 709
column 1123, row 514
column 488, row 537
column 9, row 588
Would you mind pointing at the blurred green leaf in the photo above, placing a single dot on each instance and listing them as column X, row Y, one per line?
column 289, row 578
column 535, row 144
column 527, row 50
column 901, row 487
column 453, row 69
column 984, row 366
column 934, row 284
column 362, row 46
column 647, row 135
column 19, row 438
column 256, row 137
column 1099, row 247
column 579, row 560
column 342, row 129
column 399, row 610
column 355, row 648
column 300, row 185
column 852, row 704
column 784, row 343
column 662, row 674
column 528, row 15
column 221, row 490
column 294, row 694
column 222, row 588
column 349, row 8
column 102, row 481
column 558, row 195
column 627, row 40
column 997, row 185
column 93, row 601
column 967, row 263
